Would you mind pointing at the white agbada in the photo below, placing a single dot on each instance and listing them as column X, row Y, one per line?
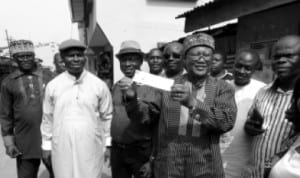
column 76, row 124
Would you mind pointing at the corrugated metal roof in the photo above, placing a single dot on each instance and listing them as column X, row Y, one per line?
column 208, row 5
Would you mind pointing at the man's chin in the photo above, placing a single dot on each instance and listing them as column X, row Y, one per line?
column 241, row 82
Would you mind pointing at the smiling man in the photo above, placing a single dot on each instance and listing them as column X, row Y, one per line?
column 131, row 151
column 236, row 144
column 77, row 112
column 194, row 114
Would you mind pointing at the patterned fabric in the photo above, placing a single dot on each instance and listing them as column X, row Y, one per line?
column 199, row 39
column 21, row 111
column 19, row 46
column 271, row 102
column 194, row 152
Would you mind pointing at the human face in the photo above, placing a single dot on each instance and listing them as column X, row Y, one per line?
column 155, row 61
column 286, row 59
column 59, row 64
column 173, row 60
column 217, row 64
column 74, row 61
column 198, row 61
column 25, row 61
column 244, row 67
column 129, row 63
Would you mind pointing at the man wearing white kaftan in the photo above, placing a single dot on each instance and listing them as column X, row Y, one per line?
column 77, row 115
column 76, row 124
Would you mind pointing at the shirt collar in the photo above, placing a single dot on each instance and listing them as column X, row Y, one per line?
column 80, row 79
column 274, row 86
column 225, row 74
column 18, row 73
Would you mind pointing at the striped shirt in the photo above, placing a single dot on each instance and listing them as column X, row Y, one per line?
column 271, row 102
column 187, row 147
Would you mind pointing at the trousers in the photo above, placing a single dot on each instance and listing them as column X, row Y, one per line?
column 28, row 168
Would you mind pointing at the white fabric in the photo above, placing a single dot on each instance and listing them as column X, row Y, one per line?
column 236, row 144
column 76, row 124
column 289, row 165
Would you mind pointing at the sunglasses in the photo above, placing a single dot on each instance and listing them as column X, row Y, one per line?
column 174, row 55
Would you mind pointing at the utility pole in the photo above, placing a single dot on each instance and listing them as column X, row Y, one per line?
column 7, row 38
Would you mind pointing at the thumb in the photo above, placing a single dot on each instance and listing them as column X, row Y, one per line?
column 16, row 150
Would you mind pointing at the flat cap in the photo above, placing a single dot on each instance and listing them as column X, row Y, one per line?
column 199, row 39
column 71, row 43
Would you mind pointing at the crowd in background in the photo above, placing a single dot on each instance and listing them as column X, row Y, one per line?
column 213, row 123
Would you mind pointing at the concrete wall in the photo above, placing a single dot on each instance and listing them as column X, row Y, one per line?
column 145, row 21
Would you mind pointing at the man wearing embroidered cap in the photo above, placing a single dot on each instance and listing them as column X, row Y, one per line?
column 21, row 110
column 131, row 133
column 77, row 112
column 195, row 113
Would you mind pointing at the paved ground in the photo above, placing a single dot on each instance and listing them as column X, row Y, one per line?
column 8, row 166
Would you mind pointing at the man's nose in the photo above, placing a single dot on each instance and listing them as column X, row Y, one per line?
column 242, row 70
column 127, row 63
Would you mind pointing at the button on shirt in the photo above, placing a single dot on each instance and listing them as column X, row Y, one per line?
column 21, row 111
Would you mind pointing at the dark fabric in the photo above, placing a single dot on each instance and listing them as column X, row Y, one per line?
column 127, row 159
column 125, row 129
column 182, row 160
column 218, row 112
column 49, row 168
column 21, row 111
column 28, row 168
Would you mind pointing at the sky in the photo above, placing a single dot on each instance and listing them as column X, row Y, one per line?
column 44, row 21
column 38, row 20
column 41, row 21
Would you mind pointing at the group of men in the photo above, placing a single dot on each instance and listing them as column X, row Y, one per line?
column 212, row 124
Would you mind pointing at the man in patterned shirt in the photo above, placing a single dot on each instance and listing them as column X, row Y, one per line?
column 21, row 110
column 266, row 118
column 193, row 115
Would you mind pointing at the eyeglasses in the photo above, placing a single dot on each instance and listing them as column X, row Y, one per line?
column 174, row 55
column 206, row 56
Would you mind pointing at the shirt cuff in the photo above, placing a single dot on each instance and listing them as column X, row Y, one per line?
column 8, row 140
column 46, row 145
column 108, row 141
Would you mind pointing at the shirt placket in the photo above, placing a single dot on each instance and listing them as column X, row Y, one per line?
column 31, row 91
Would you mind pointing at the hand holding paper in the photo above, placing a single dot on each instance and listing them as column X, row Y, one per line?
column 153, row 80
